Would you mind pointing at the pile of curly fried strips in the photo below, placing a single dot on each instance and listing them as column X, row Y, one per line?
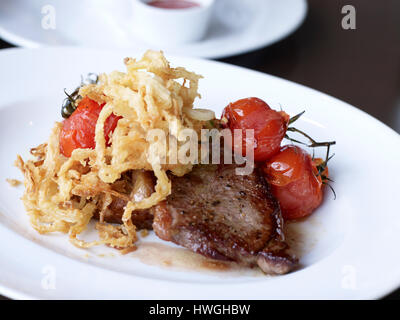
column 63, row 194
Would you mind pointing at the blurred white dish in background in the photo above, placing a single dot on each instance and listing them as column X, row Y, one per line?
column 237, row 26
column 171, row 26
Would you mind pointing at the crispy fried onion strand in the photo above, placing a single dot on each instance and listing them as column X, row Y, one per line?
column 63, row 194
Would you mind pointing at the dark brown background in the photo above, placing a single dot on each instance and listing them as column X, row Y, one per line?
column 359, row 66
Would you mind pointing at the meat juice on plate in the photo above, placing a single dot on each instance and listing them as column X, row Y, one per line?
column 173, row 4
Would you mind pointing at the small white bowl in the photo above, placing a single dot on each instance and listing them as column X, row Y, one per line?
column 171, row 26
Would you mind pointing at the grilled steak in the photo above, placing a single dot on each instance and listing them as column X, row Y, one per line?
column 142, row 219
column 221, row 215
column 138, row 185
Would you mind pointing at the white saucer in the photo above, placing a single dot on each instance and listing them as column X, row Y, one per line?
column 238, row 26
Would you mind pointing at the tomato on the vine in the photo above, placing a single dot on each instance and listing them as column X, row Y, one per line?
column 295, row 181
column 78, row 131
column 269, row 126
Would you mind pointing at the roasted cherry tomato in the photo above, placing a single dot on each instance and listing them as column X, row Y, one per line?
column 295, row 181
column 269, row 126
column 78, row 130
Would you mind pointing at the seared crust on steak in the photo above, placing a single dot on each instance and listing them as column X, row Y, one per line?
column 221, row 215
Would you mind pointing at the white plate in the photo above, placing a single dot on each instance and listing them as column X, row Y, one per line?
column 348, row 248
column 238, row 26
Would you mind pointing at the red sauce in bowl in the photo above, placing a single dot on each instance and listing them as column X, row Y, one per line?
column 173, row 4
